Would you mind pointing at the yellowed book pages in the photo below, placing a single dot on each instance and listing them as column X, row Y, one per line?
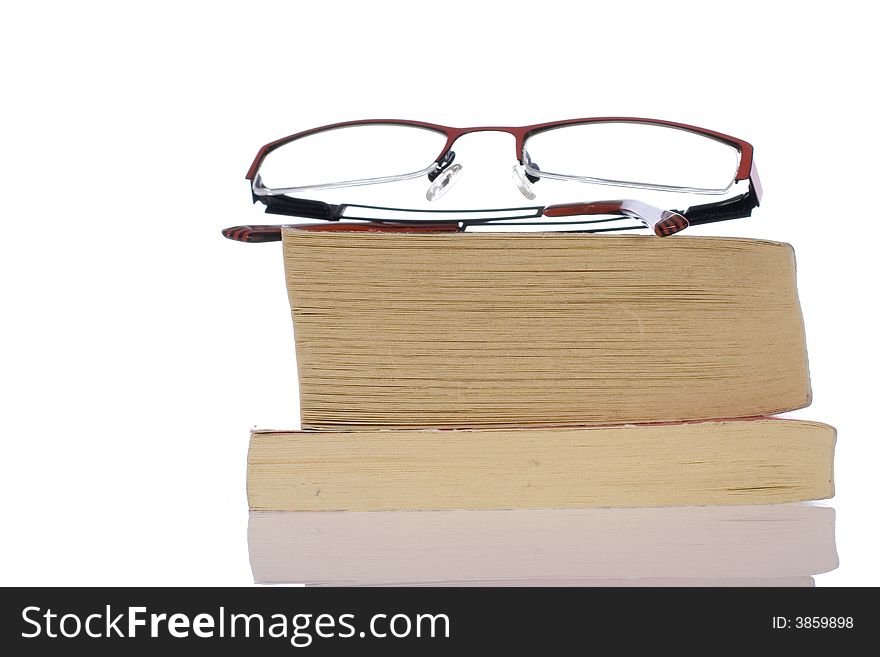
column 727, row 462
column 490, row 330
column 757, row 545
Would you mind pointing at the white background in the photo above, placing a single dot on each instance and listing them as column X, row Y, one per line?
column 139, row 346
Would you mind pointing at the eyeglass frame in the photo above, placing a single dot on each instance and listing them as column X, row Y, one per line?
column 665, row 222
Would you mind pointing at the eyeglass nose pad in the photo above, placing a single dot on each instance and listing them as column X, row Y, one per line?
column 444, row 182
column 523, row 184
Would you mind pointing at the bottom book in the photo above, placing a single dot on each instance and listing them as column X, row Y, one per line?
column 729, row 462
column 756, row 545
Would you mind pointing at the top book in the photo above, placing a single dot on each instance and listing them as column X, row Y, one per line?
column 397, row 329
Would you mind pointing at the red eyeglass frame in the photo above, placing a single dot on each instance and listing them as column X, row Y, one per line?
column 731, row 208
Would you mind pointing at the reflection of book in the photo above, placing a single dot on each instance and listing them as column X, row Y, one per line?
column 478, row 330
column 726, row 462
column 608, row 582
column 694, row 546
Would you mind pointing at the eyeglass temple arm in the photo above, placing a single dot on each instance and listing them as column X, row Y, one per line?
column 286, row 206
column 300, row 207
column 662, row 222
column 737, row 207
column 253, row 234
column 257, row 234
column 732, row 208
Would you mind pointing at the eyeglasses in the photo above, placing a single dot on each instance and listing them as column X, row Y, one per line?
column 623, row 152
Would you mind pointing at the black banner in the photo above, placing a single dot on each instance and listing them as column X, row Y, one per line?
column 431, row 620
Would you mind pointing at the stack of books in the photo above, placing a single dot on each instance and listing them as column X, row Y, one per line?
column 475, row 405
column 461, row 372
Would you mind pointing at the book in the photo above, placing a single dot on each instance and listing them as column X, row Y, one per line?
column 408, row 330
column 758, row 545
column 731, row 462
